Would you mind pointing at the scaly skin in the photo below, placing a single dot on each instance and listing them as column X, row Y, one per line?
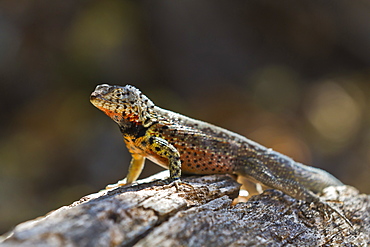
column 186, row 145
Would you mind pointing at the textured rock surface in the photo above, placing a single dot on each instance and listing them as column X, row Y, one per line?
column 153, row 214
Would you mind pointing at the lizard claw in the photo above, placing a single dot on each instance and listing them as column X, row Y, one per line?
column 171, row 182
column 177, row 184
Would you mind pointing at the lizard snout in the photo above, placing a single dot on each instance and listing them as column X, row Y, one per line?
column 102, row 89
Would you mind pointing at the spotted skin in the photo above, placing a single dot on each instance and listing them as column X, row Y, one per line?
column 185, row 145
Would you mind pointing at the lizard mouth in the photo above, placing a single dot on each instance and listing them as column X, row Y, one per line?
column 96, row 99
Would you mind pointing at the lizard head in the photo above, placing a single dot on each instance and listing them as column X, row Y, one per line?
column 123, row 104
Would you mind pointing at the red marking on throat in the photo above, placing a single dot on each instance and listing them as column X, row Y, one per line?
column 118, row 116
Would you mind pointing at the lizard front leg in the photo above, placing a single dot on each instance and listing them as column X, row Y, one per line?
column 164, row 153
column 134, row 171
column 158, row 150
column 136, row 166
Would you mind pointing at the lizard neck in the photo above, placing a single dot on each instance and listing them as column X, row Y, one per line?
column 132, row 128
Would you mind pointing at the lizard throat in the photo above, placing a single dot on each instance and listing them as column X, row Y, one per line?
column 119, row 117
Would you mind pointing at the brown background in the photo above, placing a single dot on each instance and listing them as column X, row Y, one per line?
column 291, row 75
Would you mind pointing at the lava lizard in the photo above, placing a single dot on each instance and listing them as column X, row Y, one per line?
column 182, row 144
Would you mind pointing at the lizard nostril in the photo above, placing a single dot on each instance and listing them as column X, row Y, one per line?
column 92, row 96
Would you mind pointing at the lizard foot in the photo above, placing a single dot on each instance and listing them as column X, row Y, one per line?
column 120, row 183
column 171, row 182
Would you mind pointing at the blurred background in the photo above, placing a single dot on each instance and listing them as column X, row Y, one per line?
column 291, row 75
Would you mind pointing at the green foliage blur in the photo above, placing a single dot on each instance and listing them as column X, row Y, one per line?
column 291, row 75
